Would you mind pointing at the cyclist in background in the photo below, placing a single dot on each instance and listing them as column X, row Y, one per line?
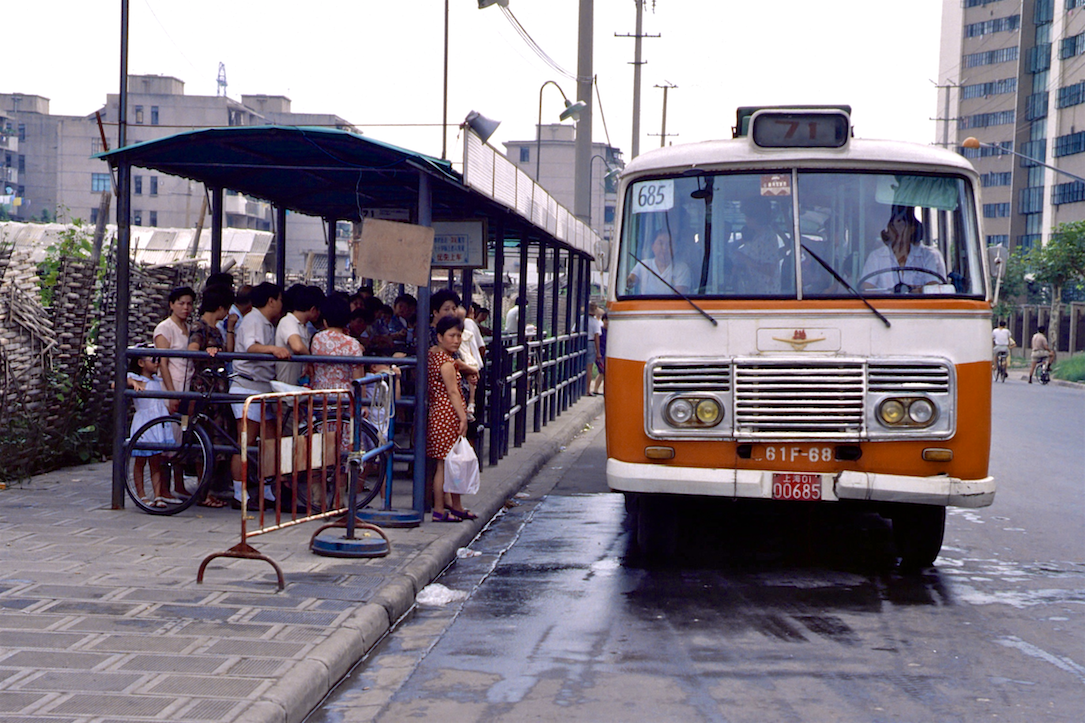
column 1041, row 350
column 1003, row 342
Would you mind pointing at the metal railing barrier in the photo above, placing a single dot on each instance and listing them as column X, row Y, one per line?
column 304, row 457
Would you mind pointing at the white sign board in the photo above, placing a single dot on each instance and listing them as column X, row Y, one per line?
column 459, row 244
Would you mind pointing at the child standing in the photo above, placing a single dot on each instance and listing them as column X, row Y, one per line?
column 143, row 376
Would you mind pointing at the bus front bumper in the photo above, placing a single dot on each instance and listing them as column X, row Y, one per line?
column 758, row 484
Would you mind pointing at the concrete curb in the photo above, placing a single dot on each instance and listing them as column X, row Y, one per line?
column 325, row 666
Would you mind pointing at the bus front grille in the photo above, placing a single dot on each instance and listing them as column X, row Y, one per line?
column 794, row 400
column 908, row 377
column 673, row 377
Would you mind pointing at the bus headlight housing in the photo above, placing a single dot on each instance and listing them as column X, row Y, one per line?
column 694, row 412
column 679, row 412
column 907, row 412
column 709, row 412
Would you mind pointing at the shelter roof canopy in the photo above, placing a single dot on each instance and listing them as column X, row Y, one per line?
column 322, row 172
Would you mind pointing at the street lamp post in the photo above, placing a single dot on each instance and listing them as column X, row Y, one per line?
column 974, row 144
column 572, row 110
column 591, row 169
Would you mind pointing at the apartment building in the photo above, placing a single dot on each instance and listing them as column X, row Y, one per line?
column 1012, row 75
column 56, row 176
column 553, row 155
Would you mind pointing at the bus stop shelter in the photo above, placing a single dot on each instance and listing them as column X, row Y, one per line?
column 338, row 175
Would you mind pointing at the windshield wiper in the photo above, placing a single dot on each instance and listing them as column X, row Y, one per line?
column 841, row 279
column 666, row 283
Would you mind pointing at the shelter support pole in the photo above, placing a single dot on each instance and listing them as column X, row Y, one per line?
column 216, row 230
column 497, row 402
column 124, row 204
column 576, row 289
column 467, row 279
column 583, row 295
column 421, row 350
column 540, row 313
column 331, row 254
column 565, row 366
column 522, row 386
column 280, row 246
column 556, row 269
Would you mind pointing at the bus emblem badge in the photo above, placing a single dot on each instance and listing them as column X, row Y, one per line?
column 798, row 340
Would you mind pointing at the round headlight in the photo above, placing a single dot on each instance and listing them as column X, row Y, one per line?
column 680, row 411
column 921, row 411
column 709, row 412
column 891, row 411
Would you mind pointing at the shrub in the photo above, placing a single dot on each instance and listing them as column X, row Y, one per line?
column 1071, row 369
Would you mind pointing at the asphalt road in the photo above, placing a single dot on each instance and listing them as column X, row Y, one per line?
column 768, row 615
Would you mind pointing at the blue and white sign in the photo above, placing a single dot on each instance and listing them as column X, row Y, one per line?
column 459, row 244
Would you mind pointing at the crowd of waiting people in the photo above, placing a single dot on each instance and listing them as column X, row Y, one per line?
column 302, row 320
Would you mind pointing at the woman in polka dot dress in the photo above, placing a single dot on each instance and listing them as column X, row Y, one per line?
column 447, row 414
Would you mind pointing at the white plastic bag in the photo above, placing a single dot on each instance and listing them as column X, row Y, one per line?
column 461, row 469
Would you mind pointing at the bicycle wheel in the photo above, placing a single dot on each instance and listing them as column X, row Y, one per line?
column 160, row 452
column 375, row 471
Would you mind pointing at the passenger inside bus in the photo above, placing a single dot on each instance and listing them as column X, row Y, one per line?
column 903, row 265
column 656, row 276
column 757, row 260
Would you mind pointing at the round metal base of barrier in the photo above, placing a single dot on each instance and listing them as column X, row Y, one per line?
column 334, row 543
column 391, row 518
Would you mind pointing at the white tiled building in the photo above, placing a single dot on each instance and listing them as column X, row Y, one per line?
column 1016, row 76
column 54, row 173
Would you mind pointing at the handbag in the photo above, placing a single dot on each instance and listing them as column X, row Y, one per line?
column 461, row 469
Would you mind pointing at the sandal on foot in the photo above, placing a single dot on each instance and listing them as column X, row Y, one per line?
column 213, row 502
column 463, row 514
column 445, row 517
column 159, row 503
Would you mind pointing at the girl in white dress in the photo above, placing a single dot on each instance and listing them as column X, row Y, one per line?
column 143, row 376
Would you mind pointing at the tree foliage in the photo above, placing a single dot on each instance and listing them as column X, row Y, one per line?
column 1061, row 262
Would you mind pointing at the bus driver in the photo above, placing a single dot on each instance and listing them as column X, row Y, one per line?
column 902, row 265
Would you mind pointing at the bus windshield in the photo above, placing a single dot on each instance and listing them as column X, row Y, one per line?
column 799, row 234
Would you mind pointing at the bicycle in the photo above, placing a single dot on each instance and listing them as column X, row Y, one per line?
column 1001, row 366
column 189, row 442
column 1043, row 370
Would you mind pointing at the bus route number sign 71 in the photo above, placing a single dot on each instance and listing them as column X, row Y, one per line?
column 797, row 487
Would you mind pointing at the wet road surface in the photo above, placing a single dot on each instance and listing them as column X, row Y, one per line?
column 771, row 614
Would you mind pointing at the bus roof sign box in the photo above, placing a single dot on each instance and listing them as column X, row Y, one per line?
column 795, row 126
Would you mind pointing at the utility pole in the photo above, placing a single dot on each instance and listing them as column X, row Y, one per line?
column 663, row 131
column 637, row 62
column 584, row 82
column 945, row 120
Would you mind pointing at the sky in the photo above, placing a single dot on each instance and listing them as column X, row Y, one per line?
column 379, row 63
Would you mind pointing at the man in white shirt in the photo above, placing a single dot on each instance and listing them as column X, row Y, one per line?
column 293, row 330
column 1001, row 338
column 255, row 335
column 512, row 317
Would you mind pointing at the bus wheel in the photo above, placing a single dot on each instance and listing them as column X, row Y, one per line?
column 656, row 529
column 917, row 532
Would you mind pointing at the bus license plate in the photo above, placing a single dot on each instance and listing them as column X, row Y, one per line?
column 801, row 487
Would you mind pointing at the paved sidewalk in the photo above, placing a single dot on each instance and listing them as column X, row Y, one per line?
column 101, row 618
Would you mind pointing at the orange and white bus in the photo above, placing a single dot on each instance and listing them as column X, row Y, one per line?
column 802, row 316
